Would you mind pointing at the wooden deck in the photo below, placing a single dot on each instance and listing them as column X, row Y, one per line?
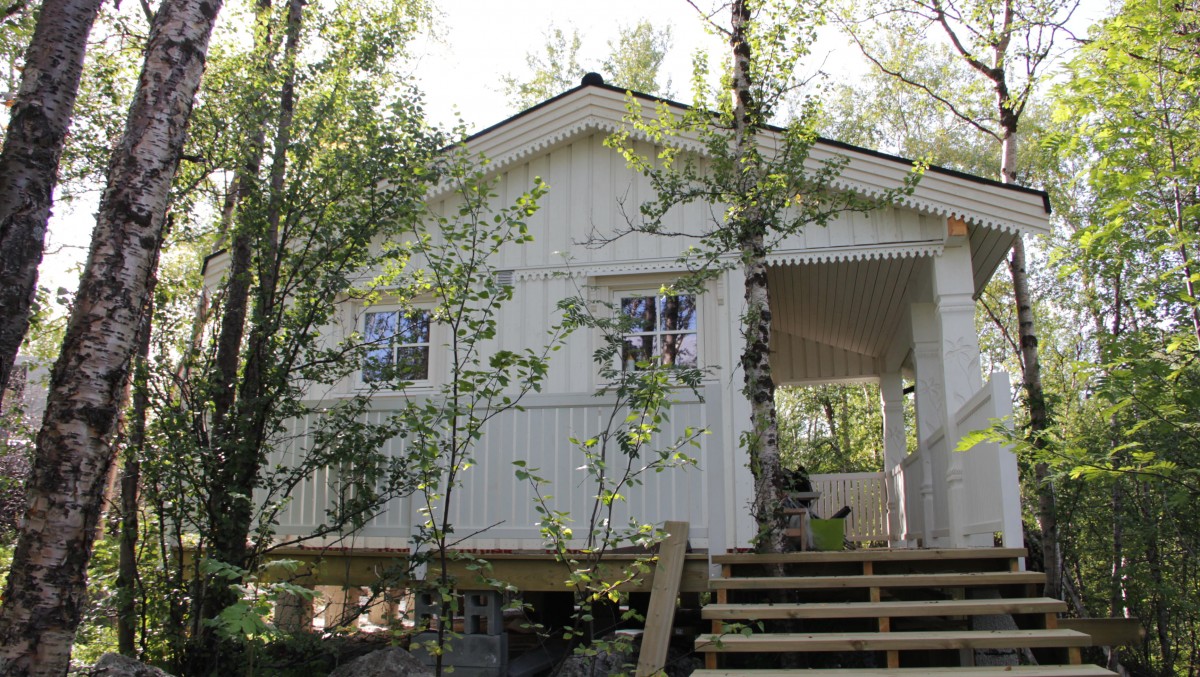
column 906, row 611
column 529, row 572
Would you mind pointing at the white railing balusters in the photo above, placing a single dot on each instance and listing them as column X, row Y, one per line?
column 865, row 493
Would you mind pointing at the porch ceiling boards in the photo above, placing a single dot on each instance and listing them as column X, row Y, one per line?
column 989, row 247
column 834, row 320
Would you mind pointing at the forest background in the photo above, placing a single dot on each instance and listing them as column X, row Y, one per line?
column 1109, row 130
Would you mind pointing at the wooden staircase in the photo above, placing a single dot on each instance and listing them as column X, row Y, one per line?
column 884, row 613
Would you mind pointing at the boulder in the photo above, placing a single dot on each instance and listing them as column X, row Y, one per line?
column 598, row 664
column 390, row 662
column 116, row 665
column 680, row 663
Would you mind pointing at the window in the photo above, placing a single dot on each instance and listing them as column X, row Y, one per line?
column 398, row 346
column 663, row 330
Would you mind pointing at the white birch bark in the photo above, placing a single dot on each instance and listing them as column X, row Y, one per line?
column 762, row 443
column 47, row 583
column 33, row 146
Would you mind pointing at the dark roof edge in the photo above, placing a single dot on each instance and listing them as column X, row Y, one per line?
column 832, row 142
column 210, row 257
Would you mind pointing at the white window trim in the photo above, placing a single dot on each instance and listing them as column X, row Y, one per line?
column 619, row 295
column 433, row 358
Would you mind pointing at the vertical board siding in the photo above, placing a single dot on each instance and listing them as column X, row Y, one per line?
column 939, row 464
column 865, row 493
column 593, row 193
column 491, row 508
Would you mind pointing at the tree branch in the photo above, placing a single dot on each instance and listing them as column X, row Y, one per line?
column 862, row 48
column 990, row 73
column 1003, row 330
column 707, row 17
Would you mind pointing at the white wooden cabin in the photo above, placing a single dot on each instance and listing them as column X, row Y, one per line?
column 887, row 297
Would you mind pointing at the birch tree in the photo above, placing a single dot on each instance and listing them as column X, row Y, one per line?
column 33, row 146
column 330, row 155
column 48, row 577
column 1006, row 44
column 767, row 194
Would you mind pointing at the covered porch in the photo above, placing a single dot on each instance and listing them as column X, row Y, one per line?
column 903, row 317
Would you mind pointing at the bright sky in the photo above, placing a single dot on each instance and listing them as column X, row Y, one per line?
column 485, row 39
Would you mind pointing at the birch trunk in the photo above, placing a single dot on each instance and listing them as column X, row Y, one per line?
column 762, row 443
column 48, row 579
column 1031, row 368
column 33, row 146
column 1031, row 380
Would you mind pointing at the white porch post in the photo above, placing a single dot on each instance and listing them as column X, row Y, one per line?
column 931, row 413
column 959, row 348
column 895, row 448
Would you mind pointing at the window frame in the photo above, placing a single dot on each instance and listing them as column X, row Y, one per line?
column 618, row 296
column 393, row 345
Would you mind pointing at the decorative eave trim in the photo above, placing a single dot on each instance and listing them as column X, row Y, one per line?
column 593, row 123
column 601, row 269
column 600, row 109
column 824, row 255
column 842, row 254
column 937, row 208
column 590, row 124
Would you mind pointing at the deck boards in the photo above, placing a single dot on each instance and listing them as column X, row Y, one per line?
column 921, row 608
column 876, row 555
column 970, row 579
column 891, row 641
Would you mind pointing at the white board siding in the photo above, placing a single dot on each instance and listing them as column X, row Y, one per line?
column 990, row 495
column 600, row 111
column 592, row 193
column 494, row 503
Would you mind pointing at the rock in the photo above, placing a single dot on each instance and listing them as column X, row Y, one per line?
column 116, row 665
column 623, row 661
column 600, row 664
column 390, row 662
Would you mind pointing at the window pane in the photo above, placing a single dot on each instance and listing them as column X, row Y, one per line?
column 636, row 349
column 412, row 364
column 641, row 310
column 378, row 364
column 414, row 328
column 678, row 350
column 678, row 312
column 380, row 327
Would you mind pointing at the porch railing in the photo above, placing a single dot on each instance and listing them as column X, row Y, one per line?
column 962, row 499
column 865, row 493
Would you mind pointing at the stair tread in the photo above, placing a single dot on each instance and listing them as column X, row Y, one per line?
column 882, row 555
column 943, row 607
column 1018, row 671
column 890, row 641
column 878, row 580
